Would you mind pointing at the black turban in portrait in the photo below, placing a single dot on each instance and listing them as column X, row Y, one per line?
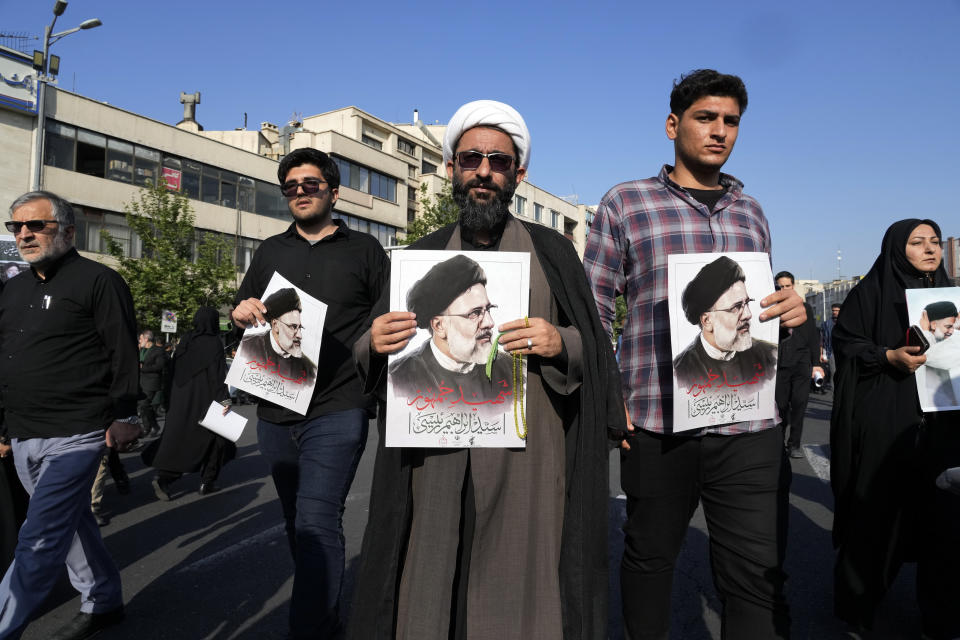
column 280, row 302
column 708, row 285
column 442, row 284
column 940, row 310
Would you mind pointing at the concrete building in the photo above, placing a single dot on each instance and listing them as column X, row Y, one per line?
column 951, row 258
column 98, row 156
column 836, row 291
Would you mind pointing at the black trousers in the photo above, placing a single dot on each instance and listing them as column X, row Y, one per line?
column 743, row 482
column 792, row 393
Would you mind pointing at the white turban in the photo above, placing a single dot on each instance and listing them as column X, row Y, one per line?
column 488, row 113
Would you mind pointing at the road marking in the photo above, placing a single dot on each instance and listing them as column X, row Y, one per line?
column 819, row 458
column 214, row 558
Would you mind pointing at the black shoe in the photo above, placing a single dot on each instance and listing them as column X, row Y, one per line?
column 85, row 625
column 101, row 519
column 206, row 488
column 795, row 452
column 161, row 490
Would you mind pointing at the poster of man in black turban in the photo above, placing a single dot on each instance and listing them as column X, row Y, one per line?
column 452, row 386
column 278, row 361
column 935, row 311
column 724, row 359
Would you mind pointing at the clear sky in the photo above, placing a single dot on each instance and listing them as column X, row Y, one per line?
column 853, row 120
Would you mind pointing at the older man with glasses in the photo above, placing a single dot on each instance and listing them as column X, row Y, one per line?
column 69, row 377
column 451, row 302
column 314, row 457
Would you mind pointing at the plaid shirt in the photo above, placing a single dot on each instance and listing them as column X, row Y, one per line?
column 637, row 225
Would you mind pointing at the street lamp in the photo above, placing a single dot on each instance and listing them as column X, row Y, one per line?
column 44, row 62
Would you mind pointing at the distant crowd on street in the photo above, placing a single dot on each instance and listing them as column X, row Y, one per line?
column 494, row 543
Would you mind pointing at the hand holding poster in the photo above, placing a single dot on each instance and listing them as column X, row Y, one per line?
column 935, row 311
column 278, row 362
column 724, row 359
column 441, row 391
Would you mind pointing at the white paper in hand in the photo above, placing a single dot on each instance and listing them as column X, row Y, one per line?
column 229, row 426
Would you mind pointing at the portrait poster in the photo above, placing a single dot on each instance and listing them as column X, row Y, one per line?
column 11, row 264
column 724, row 358
column 440, row 390
column 935, row 312
column 278, row 362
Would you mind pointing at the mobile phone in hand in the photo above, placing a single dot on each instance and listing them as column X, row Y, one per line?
column 915, row 338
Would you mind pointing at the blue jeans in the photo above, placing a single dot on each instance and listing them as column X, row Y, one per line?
column 313, row 464
column 58, row 474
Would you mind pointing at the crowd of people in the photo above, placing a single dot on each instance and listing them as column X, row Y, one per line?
column 452, row 530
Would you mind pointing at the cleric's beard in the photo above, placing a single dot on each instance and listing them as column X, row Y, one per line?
column 482, row 216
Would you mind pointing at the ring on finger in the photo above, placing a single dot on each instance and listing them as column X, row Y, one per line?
column 529, row 343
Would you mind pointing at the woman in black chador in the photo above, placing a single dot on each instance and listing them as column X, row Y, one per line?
column 885, row 453
column 199, row 370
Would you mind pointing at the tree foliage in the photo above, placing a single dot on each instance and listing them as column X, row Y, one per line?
column 438, row 210
column 621, row 315
column 180, row 270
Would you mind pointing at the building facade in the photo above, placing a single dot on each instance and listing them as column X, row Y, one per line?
column 99, row 156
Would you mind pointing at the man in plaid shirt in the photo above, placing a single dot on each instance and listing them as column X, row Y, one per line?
column 739, row 471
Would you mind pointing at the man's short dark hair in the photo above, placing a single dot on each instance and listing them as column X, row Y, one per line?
column 298, row 157
column 706, row 82
column 835, row 305
column 785, row 274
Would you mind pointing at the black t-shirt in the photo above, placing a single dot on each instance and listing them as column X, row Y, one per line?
column 709, row 197
column 68, row 350
column 347, row 270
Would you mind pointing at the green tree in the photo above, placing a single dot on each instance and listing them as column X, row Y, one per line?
column 620, row 317
column 438, row 210
column 180, row 270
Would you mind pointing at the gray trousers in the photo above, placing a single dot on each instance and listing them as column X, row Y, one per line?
column 60, row 529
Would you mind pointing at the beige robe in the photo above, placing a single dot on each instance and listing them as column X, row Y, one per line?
column 513, row 587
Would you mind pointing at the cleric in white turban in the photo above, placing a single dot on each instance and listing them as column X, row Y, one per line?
column 488, row 113
column 467, row 540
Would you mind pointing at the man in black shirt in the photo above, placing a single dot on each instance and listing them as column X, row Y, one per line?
column 68, row 374
column 799, row 361
column 313, row 457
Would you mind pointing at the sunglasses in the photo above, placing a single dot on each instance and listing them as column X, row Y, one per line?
column 471, row 160
column 310, row 186
column 14, row 226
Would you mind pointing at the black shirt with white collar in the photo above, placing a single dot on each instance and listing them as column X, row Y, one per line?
column 348, row 271
column 68, row 349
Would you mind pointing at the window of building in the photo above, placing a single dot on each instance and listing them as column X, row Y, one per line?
column 146, row 166
column 370, row 141
column 426, row 168
column 228, row 189
column 245, row 250
column 411, row 215
column 366, row 180
column 385, row 234
column 172, row 173
column 269, row 201
column 190, row 180
column 405, row 146
column 119, row 161
column 89, row 226
column 554, row 219
column 91, row 153
column 210, row 185
column 520, row 205
column 59, row 145
column 246, row 199
column 412, row 172
column 538, row 212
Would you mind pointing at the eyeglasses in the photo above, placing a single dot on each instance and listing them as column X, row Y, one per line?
column 738, row 308
column 295, row 328
column 14, row 226
column 471, row 160
column 476, row 314
column 309, row 186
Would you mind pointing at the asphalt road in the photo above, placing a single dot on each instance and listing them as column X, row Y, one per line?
column 217, row 567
